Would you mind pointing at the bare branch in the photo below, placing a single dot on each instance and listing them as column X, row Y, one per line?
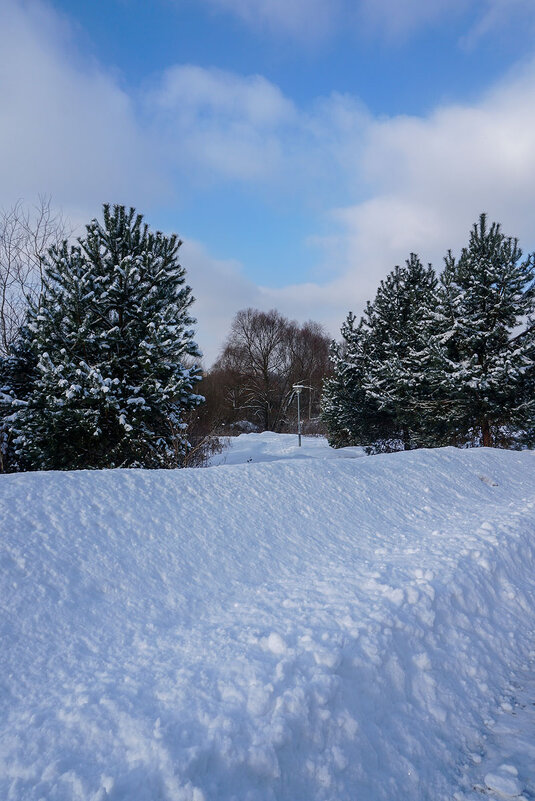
column 25, row 237
column 264, row 355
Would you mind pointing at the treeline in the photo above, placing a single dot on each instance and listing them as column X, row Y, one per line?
column 250, row 387
column 99, row 367
column 98, row 364
column 439, row 360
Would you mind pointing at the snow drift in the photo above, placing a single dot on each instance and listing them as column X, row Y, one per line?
column 321, row 630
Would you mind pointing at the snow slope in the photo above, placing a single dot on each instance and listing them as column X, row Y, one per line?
column 307, row 630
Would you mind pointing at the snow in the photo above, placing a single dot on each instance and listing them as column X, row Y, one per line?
column 271, row 447
column 509, row 734
column 302, row 629
column 505, row 782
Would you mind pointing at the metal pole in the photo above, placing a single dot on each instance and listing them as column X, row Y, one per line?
column 298, row 419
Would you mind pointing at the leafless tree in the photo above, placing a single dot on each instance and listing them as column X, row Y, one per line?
column 263, row 356
column 310, row 362
column 25, row 237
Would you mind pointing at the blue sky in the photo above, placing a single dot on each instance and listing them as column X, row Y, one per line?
column 405, row 71
column 301, row 148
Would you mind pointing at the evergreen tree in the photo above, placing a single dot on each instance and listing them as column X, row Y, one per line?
column 400, row 321
column 483, row 369
column 526, row 387
column 114, row 350
column 17, row 373
column 379, row 391
column 351, row 416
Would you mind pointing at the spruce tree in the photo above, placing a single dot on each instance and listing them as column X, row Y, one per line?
column 114, row 350
column 483, row 366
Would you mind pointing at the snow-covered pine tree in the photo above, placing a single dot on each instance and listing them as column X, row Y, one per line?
column 379, row 393
column 17, row 373
column 400, row 321
column 484, row 366
column 526, row 385
column 115, row 353
column 352, row 418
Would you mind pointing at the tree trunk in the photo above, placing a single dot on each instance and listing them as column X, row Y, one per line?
column 406, row 439
column 486, row 433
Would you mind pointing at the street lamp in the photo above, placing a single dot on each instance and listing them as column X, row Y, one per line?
column 298, row 388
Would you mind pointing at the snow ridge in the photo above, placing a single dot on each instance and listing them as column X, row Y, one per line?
column 321, row 630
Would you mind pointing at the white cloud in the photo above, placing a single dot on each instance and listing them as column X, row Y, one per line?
column 427, row 180
column 215, row 125
column 433, row 176
column 310, row 21
column 395, row 20
column 386, row 187
column 499, row 15
column 67, row 130
column 304, row 19
column 220, row 288
column 214, row 120
column 192, row 91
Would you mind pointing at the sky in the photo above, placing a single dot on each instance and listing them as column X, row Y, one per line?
column 300, row 148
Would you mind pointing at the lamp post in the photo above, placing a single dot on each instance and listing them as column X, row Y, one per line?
column 298, row 388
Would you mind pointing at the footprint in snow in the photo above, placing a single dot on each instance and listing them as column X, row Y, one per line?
column 489, row 481
column 504, row 782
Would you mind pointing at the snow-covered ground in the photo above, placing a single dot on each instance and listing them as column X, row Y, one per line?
column 303, row 630
column 271, row 447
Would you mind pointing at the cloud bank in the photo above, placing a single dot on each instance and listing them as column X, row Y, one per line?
column 66, row 129
column 383, row 187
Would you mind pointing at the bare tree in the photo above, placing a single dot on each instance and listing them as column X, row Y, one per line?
column 263, row 356
column 25, row 237
column 311, row 363
column 256, row 355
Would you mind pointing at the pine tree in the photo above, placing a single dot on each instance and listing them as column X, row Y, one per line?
column 483, row 369
column 400, row 320
column 379, row 391
column 114, row 350
column 351, row 416
column 17, row 374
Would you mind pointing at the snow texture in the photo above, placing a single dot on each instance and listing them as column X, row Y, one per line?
column 307, row 630
column 508, row 746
